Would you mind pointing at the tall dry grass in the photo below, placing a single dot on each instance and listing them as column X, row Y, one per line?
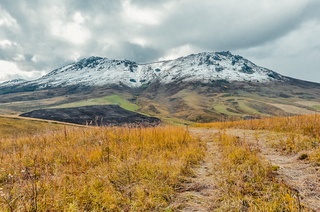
column 97, row 169
column 248, row 183
column 307, row 124
column 300, row 134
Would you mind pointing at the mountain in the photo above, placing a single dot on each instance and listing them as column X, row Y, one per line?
column 198, row 87
column 12, row 82
column 204, row 67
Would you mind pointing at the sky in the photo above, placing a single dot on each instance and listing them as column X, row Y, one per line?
column 39, row 36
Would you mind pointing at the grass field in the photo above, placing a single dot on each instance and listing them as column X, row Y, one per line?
column 317, row 107
column 291, row 142
column 113, row 99
column 25, row 106
column 53, row 167
column 247, row 183
column 16, row 127
column 223, row 109
column 303, row 132
column 292, row 109
column 247, row 109
column 45, row 167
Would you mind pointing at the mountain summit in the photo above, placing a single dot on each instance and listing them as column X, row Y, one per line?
column 204, row 67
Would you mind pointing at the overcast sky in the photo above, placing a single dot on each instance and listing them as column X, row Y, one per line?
column 37, row 36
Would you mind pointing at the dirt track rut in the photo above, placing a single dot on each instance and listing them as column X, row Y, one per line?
column 202, row 192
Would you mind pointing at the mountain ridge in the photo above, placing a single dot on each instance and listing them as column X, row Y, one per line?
column 205, row 67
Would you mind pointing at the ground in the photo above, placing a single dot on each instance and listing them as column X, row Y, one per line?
column 202, row 193
column 93, row 115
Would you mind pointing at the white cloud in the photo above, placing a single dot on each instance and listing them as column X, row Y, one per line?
column 179, row 52
column 76, row 56
column 6, row 19
column 5, row 43
column 78, row 18
column 35, row 58
column 8, row 70
column 71, row 32
column 19, row 57
column 138, row 15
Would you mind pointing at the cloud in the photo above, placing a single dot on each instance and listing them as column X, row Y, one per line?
column 221, row 25
column 138, row 53
column 141, row 15
column 178, row 52
column 11, row 71
column 297, row 51
column 39, row 36
column 148, row 3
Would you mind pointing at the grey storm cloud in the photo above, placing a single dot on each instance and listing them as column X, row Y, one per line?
column 219, row 25
column 39, row 36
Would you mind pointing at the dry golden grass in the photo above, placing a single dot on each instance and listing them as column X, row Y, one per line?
column 247, row 183
column 49, row 167
column 16, row 127
column 303, row 133
column 306, row 124
column 96, row 169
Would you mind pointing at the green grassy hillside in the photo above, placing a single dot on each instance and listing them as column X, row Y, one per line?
column 113, row 99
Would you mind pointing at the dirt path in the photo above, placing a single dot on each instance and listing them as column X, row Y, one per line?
column 202, row 193
column 299, row 175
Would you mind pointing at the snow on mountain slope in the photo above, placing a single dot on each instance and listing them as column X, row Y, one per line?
column 12, row 82
column 204, row 67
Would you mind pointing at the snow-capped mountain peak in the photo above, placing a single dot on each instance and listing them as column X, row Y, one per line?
column 204, row 67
